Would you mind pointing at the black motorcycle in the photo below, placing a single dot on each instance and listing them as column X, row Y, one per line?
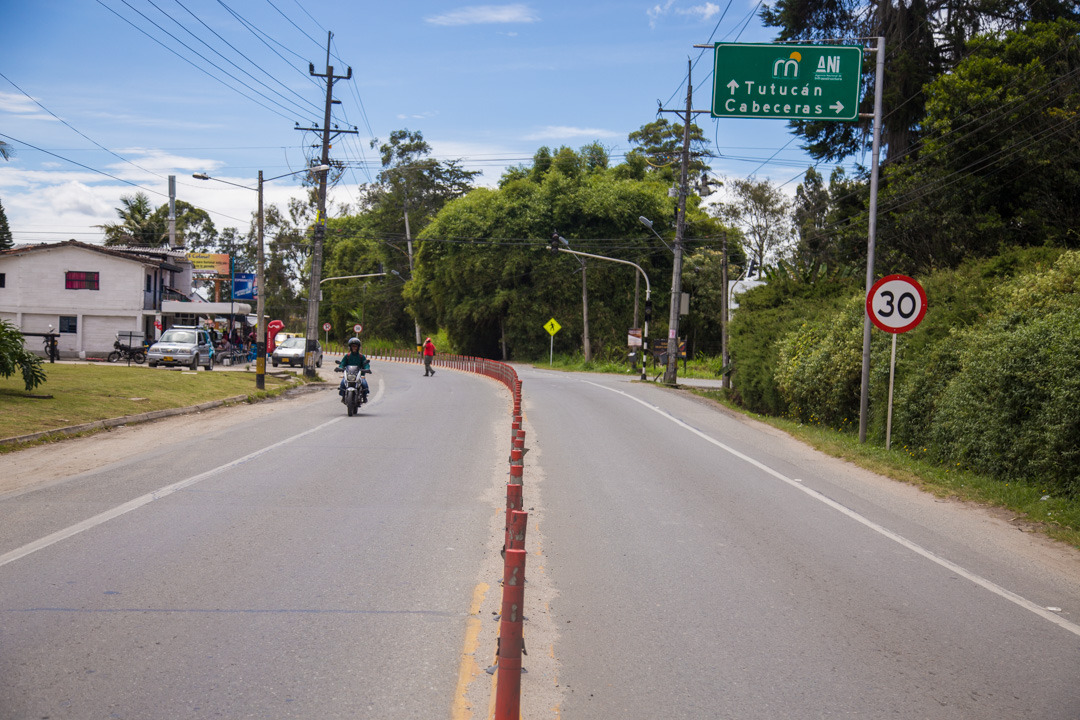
column 126, row 352
column 356, row 391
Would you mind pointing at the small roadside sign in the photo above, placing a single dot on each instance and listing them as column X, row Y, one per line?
column 896, row 303
column 326, row 327
column 358, row 328
column 552, row 327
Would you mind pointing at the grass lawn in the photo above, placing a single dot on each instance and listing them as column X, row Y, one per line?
column 85, row 393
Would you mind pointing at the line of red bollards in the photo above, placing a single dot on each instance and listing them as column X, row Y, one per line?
column 512, row 619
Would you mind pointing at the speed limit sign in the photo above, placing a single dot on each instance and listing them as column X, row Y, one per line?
column 358, row 328
column 896, row 303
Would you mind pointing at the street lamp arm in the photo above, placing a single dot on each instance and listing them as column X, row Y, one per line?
column 204, row 176
column 648, row 289
column 350, row 277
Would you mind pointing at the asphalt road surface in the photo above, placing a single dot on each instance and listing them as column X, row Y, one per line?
column 683, row 563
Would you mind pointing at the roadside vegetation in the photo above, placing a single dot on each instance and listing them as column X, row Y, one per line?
column 78, row 394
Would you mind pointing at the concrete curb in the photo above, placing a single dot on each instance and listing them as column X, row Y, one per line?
column 155, row 415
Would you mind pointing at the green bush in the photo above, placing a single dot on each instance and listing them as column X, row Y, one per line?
column 765, row 315
column 1012, row 410
column 819, row 369
column 16, row 358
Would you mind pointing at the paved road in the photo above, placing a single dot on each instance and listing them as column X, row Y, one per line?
column 312, row 566
column 683, row 564
column 706, row 568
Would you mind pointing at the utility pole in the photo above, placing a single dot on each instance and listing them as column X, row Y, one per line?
column 408, row 244
column 725, row 381
column 312, row 331
column 879, row 82
column 671, row 373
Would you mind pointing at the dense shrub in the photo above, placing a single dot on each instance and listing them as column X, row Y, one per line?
column 1013, row 407
column 990, row 379
column 819, row 369
column 766, row 314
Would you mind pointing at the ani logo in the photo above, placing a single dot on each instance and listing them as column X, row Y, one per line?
column 787, row 68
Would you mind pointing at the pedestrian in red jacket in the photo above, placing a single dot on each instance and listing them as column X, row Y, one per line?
column 429, row 356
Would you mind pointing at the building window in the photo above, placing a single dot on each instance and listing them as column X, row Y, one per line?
column 3, row 280
column 80, row 280
column 69, row 323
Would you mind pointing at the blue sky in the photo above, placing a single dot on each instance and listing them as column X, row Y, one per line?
column 105, row 98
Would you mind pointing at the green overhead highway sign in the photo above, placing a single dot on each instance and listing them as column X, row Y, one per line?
column 787, row 82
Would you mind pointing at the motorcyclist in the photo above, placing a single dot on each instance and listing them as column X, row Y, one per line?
column 354, row 357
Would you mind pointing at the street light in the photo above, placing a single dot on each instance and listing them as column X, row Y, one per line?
column 260, row 298
column 648, row 289
column 648, row 223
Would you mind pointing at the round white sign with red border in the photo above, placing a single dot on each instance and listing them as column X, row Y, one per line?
column 326, row 327
column 358, row 328
column 896, row 303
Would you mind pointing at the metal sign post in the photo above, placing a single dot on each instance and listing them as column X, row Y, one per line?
column 896, row 304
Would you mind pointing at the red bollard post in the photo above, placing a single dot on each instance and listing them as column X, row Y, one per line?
column 511, row 638
column 517, row 473
column 514, row 501
column 516, row 530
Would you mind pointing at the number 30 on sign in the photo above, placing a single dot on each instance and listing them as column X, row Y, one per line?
column 896, row 303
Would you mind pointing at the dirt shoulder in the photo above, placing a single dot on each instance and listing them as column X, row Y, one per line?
column 37, row 464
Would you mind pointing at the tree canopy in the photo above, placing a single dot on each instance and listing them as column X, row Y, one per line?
column 5, row 230
column 999, row 164
column 923, row 39
column 486, row 276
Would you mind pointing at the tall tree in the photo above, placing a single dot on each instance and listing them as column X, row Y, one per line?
column 762, row 213
column 5, row 230
column 923, row 38
column 137, row 225
column 485, row 274
column 1000, row 165
column 660, row 144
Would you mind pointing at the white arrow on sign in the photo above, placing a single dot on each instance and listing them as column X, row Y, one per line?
column 837, row 107
column 733, row 86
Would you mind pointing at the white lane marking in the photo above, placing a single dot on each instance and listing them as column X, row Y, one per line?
column 138, row 502
column 914, row 547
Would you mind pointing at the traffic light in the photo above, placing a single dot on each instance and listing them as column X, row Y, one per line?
column 648, row 310
column 554, row 245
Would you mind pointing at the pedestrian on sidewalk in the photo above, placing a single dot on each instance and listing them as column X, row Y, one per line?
column 429, row 356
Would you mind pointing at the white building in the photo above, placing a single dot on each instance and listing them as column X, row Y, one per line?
column 89, row 293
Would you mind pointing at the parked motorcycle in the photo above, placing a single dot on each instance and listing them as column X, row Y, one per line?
column 126, row 352
column 356, row 391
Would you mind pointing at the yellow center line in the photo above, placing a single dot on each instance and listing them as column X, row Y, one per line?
column 468, row 670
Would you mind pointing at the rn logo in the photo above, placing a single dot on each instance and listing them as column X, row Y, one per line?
column 787, row 68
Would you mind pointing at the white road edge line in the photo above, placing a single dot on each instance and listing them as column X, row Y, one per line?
column 138, row 502
column 914, row 547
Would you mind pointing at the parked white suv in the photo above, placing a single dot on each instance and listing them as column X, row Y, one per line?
column 182, row 345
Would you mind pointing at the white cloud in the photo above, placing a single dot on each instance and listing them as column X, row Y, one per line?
column 705, row 12
column 657, row 10
column 563, row 132
column 19, row 104
column 485, row 14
